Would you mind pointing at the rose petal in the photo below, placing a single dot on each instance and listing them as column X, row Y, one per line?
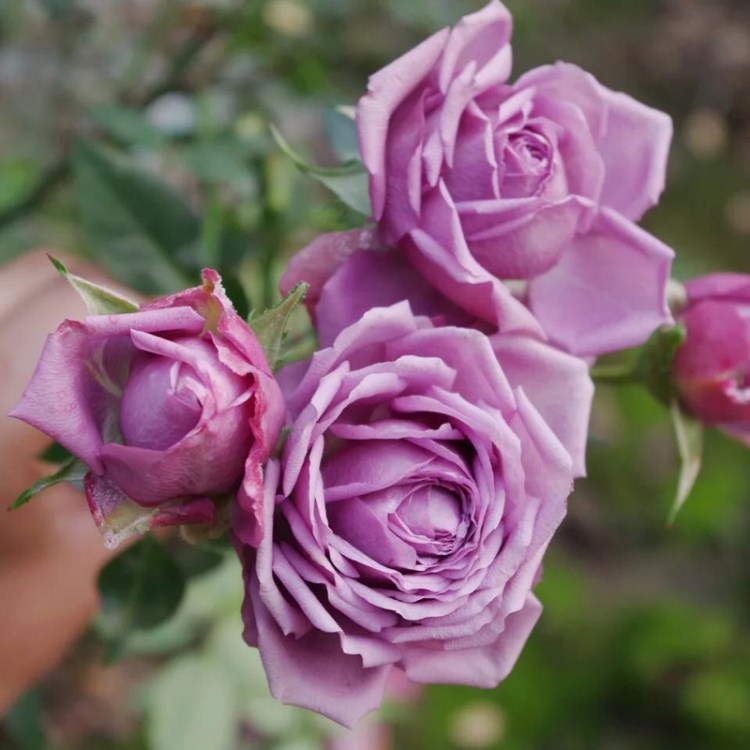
column 607, row 292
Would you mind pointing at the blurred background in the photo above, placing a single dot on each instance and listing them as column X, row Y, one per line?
column 134, row 132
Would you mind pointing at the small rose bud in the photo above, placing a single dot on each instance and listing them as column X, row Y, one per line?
column 172, row 408
column 711, row 368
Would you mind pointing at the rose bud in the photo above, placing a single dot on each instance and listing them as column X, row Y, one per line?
column 477, row 180
column 424, row 474
column 711, row 367
column 173, row 409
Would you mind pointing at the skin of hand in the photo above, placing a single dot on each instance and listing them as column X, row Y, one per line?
column 50, row 550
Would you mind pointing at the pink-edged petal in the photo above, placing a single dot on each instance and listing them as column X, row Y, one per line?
column 183, row 319
column 607, row 292
column 268, row 419
column 533, row 366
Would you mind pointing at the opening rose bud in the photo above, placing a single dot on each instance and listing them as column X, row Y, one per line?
column 711, row 368
column 173, row 408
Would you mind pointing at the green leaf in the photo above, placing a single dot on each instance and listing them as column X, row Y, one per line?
column 71, row 471
column 54, row 453
column 689, row 436
column 139, row 227
column 140, row 589
column 348, row 182
column 219, row 161
column 270, row 328
column 98, row 299
column 341, row 133
column 192, row 705
column 352, row 189
column 127, row 125
column 654, row 366
column 23, row 723
column 236, row 292
column 197, row 559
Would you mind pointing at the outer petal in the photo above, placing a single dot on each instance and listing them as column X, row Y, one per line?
column 557, row 384
column 377, row 278
column 482, row 667
column 386, row 90
column 64, row 399
column 635, row 149
column 318, row 261
column 608, row 291
column 481, row 39
column 729, row 287
column 313, row 672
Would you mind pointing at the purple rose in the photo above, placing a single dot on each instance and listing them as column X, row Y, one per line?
column 712, row 365
column 424, row 474
column 480, row 181
column 171, row 408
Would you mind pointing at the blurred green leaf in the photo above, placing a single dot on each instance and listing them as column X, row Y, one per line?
column 341, row 133
column 270, row 327
column 139, row 227
column 23, row 723
column 57, row 8
column 71, row 471
column 689, row 435
column 98, row 299
column 192, row 706
column 126, row 125
column 352, row 189
column 219, row 161
column 235, row 290
column 140, row 589
column 349, row 182
column 196, row 559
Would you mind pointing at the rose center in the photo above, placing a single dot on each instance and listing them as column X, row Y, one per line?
column 160, row 402
column 430, row 519
column 527, row 162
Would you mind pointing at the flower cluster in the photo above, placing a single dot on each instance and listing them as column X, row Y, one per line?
column 435, row 436
column 433, row 439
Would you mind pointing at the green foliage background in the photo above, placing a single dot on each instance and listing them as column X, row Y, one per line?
column 134, row 133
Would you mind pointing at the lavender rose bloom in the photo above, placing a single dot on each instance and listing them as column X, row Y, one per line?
column 424, row 474
column 712, row 365
column 172, row 408
column 479, row 181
